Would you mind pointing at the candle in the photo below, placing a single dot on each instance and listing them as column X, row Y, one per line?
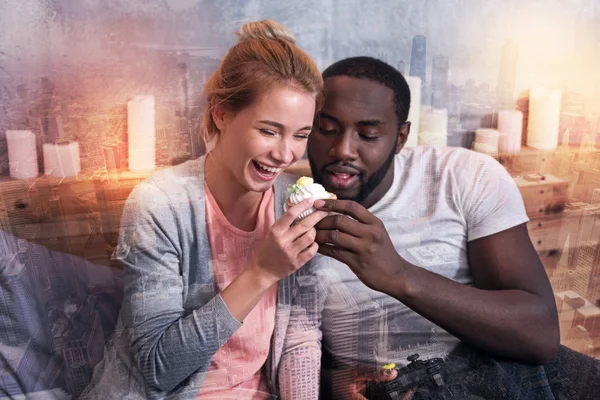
column 433, row 129
column 510, row 126
column 414, row 84
column 22, row 154
column 487, row 136
column 544, row 118
column 485, row 149
column 486, row 141
column 142, row 134
column 61, row 159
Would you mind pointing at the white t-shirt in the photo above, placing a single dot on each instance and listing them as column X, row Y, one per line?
column 441, row 198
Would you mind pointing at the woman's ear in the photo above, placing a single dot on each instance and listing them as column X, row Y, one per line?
column 218, row 115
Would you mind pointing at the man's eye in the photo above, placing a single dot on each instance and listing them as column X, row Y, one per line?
column 326, row 131
column 369, row 138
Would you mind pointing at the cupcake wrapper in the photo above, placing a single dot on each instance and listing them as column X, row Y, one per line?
column 288, row 204
column 305, row 214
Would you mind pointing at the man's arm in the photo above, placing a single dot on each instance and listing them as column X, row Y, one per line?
column 510, row 311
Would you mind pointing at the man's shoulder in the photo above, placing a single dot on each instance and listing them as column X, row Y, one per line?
column 443, row 161
column 447, row 157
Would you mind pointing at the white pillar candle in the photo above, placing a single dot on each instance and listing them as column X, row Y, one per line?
column 142, row 134
column 414, row 84
column 510, row 126
column 22, row 154
column 485, row 148
column 62, row 160
column 544, row 118
column 487, row 136
column 433, row 129
column 486, row 141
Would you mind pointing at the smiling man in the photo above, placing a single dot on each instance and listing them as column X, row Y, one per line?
column 367, row 177
column 435, row 258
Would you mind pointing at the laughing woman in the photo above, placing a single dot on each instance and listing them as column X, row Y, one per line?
column 208, row 252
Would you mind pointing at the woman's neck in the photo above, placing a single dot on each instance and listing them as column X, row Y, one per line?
column 238, row 205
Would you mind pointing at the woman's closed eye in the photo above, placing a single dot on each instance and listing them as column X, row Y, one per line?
column 302, row 136
column 267, row 132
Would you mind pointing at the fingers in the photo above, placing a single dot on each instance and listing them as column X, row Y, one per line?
column 292, row 213
column 307, row 254
column 306, row 224
column 342, row 223
column 306, row 239
column 364, row 372
column 384, row 375
column 303, row 236
column 298, row 241
column 373, row 373
column 339, row 239
column 343, row 256
column 408, row 395
column 347, row 207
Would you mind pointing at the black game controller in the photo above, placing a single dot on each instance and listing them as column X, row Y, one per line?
column 426, row 375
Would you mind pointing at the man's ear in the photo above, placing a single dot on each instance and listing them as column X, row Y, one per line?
column 402, row 136
column 218, row 115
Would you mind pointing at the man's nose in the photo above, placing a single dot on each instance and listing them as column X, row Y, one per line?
column 344, row 147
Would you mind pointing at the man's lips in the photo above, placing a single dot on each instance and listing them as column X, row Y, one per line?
column 341, row 180
column 339, row 169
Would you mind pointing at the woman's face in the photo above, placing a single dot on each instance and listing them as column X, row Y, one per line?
column 257, row 143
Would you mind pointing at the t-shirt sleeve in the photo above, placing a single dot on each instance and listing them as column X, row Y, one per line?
column 493, row 202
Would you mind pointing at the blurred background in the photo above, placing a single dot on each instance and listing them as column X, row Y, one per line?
column 95, row 95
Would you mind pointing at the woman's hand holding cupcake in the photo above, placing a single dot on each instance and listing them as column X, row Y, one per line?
column 288, row 246
column 305, row 188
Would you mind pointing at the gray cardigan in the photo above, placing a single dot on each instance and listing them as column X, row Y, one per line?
column 172, row 320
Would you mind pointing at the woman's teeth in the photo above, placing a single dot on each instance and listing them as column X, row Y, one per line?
column 266, row 168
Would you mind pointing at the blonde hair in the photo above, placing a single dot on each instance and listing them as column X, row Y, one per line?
column 265, row 54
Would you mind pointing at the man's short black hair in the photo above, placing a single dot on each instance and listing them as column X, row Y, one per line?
column 378, row 71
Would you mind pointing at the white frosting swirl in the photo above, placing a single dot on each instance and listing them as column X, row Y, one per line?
column 314, row 190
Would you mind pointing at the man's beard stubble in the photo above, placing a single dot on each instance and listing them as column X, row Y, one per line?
column 365, row 188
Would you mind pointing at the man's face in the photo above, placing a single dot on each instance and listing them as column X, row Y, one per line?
column 355, row 139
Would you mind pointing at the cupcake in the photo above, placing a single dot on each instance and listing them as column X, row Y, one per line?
column 306, row 188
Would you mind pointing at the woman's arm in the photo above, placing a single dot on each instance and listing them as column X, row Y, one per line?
column 300, row 365
column 168, row 346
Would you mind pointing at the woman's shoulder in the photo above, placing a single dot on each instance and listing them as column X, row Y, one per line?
column 176, row 183
column 179, row 176
column 280, row 187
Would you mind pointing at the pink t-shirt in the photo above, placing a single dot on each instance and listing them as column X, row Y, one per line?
column 236, row 370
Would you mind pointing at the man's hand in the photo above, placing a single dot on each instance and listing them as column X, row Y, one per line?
column 351, row 383
column 361, row 242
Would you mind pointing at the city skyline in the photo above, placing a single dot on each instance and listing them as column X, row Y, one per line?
column 68, row 69
column 204, row 25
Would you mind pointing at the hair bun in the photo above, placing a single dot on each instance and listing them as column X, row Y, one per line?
column 266, row 29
